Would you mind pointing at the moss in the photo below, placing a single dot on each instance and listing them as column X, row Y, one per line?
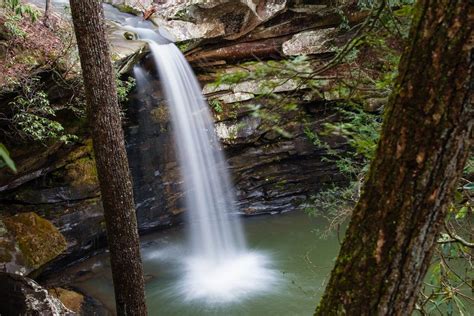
column 5, row 251
column 82, row 169
column 183, row 46
column 82, row 172
column 38, row 239
column 160, row 115
column 72, row 300
column 187, row 45
column 282, row 184
column 85, row 150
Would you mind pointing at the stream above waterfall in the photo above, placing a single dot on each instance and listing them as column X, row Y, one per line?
column 300, row 260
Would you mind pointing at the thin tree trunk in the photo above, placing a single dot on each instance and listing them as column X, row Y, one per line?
column 424, row 144
column 47, row 13
column 111, row 158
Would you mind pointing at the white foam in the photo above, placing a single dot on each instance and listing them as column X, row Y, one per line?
column 230, row 280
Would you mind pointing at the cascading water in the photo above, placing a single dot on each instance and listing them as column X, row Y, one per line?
column 219, row 267
column 208, row 191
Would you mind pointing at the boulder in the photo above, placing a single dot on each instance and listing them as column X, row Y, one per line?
column 70, row 299
column 311, row 42
column 126, row 51
column 29, row 242
column 23, row 296
column 203, row 19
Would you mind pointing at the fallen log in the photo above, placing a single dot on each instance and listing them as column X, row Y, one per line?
column 268, row 48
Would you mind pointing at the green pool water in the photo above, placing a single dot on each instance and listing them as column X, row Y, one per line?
column 299, row 260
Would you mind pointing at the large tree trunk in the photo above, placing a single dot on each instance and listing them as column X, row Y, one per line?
column 424, row 144
column 112, row 164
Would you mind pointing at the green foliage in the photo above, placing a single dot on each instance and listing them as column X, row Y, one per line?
column 271, row 117
column 344, row 25
column 181, row 14
column 370, row 4
column 377, row 55
column 183, row 46
column 469, row 167
column 334, row 205
column 451, row 275
column 361, row 129
column 216, row 105
column 12, row 27
column 38, row 127
column 268, row 75
column 184, row 14
column 20, row 9
column 34, row 117
column 124, row 87
column 5, row 158
column 17, row 12
column 186, row 45
column 267, row 79
column 371, row 49
column 231, row 78
column 312, row 137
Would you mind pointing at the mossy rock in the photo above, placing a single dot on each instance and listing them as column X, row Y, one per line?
column 72, row 300
column 187, row 45
column 39, row 241
column 86, row 150
column 160, row 115
column 82, row 171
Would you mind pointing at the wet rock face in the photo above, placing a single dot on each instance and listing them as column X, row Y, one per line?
column 151, row 156
column 271, row 172
column 281, row 176
column 26, row 297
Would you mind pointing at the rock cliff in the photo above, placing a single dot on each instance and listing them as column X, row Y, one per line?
column 275, row 163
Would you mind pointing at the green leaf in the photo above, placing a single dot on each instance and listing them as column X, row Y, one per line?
column 461, row 213
column 5, row 155
column 469, row 186
column 449, row 308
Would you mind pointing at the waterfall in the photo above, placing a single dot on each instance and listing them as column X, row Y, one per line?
column 209, row 195
column 219, row 266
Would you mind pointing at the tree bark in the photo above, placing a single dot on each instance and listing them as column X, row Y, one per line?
column 47, row 13
column 112, row 164
column 424, row 145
